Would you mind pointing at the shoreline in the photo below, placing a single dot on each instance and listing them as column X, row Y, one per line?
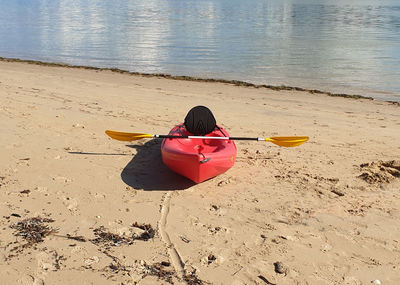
column 196, row 79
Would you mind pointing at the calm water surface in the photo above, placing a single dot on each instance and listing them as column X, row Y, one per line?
column 332, row 45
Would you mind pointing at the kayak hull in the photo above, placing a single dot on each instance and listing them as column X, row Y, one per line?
column 198, row 159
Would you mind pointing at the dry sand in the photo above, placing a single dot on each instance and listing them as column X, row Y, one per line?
column 80, row 208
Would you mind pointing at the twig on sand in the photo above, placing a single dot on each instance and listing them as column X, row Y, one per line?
column 237, row 271
column 265, row 280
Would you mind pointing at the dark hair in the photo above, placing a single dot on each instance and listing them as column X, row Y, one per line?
column 200, row 121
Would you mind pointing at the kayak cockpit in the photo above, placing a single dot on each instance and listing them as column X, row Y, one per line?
column 198, row 159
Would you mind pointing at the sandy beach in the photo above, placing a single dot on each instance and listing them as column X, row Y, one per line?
column 79, row 207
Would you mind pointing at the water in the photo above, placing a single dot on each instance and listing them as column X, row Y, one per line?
column 331, row 45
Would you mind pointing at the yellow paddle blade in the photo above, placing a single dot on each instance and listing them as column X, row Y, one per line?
column 121, row 136
column 287, row 141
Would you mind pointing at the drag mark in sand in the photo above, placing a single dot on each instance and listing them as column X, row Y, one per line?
column 176, row 260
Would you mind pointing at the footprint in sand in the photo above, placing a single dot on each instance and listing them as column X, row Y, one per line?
column 46, row 262
column 71, row 204
column 42, row 189
column 30, row 280
column 92, row 260
column 380, row 172
column 62, row 179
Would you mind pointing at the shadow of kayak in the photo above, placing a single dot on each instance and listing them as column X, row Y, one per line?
column 146, row 170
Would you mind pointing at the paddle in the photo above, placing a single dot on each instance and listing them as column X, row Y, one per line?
column 281, row 141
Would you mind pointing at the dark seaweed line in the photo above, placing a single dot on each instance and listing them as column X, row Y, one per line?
column 189, row 78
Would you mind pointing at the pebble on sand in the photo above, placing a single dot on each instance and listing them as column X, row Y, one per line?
column 280, row 268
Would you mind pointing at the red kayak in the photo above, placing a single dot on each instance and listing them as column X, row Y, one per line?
column 198, row 159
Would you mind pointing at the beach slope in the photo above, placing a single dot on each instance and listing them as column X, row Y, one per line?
column 79, row 207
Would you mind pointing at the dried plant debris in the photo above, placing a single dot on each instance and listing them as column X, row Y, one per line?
column 160, row 270
column 190, row 78
column 338, row 192
column 58, row 259
column 164, row 271
column 211, row 258
column 117, row 267
column 148, row 233
column 191, row 278
column 380, row 172
column 110, row 239
column 77, row 238
column 103, row 236
column 184, row 239
column 33, row 230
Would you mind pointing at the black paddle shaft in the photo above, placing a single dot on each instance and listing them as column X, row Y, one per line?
column 187, row 137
